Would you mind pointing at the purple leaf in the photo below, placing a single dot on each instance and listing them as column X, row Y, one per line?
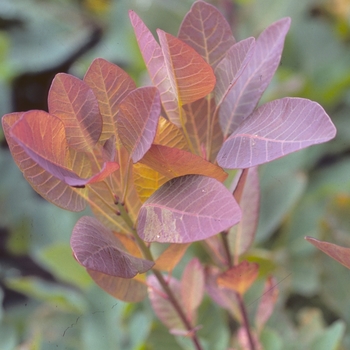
column 137, row 120
column 207, row 31
column 187, row 209
column 229, row 70
column 251, row 84
column 192, row 288
column 161, row 305
column 275, row 129
column 96, row 248
column 72, row 101
column 241, row 236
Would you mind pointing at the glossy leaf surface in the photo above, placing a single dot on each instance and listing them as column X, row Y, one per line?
column 110, row 85
column 73, row 102
column 173, row 162
column 138, row 119
column 206, row 30
column 96, row 248
column 337, row 252
column 255, row 78
column 187, row 209
column 274, row 130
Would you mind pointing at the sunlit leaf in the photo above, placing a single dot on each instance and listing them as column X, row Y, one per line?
column 191, row 77
column 96, row 248
column 74, row 103
column 274, row 130
column 173, row 162
column 187, row 209
column 255, row 78
column 267, row 303
column 206, row 30
column 169, row 135
column 137, row 120
column 241, row 236
column 192, row 288
column 171, row 257
column 110, row 85
column 131, row 290
column 147, row 180
column 51, row 188
column 338, row 253
column 161, row 304
column 240, row 277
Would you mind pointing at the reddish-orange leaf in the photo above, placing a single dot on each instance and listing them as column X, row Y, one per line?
column 338, row 253
column 173, row 162
column 190, row 76
column 48, row 186
column 240, row 277
column 125, row 289
column 72, row 101
column 110, row 85
column 171, row 257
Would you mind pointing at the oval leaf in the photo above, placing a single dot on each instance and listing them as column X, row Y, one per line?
column 206, row 30
column 187, row 209
column 173, row 162
column 137, row 120
column 171, row 257
column 255, row 78
column 73, row 102
column 131, row 290
column 110, row 85
column 96, row 248
column 274, row 130
column 338, row 253
column 48, row 186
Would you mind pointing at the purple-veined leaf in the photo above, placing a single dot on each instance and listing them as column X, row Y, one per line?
column 137, row 120
column 338, row 253
column 192, row 288
column 48, row 186
column 187, row 209
column 274, row 130
column 255, row 78
column 267, row 303
column 229, row 70
column 131, row 290
column 161, row 305
column 154, row 60
column 96, row 248
column 173, row 162
column 110, row 85
column 42, row 137
column 241, row 236
column 206, row 30
column 74, row 103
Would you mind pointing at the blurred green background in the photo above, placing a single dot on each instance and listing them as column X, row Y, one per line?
column 49, row 302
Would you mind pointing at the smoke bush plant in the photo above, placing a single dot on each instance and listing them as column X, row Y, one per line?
column 150, row 162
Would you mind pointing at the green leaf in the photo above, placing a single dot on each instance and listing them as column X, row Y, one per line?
column 330, row 339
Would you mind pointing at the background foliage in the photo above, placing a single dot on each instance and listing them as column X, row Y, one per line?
column 48, row 300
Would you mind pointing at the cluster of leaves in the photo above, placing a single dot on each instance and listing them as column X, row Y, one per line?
column 150, row 163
